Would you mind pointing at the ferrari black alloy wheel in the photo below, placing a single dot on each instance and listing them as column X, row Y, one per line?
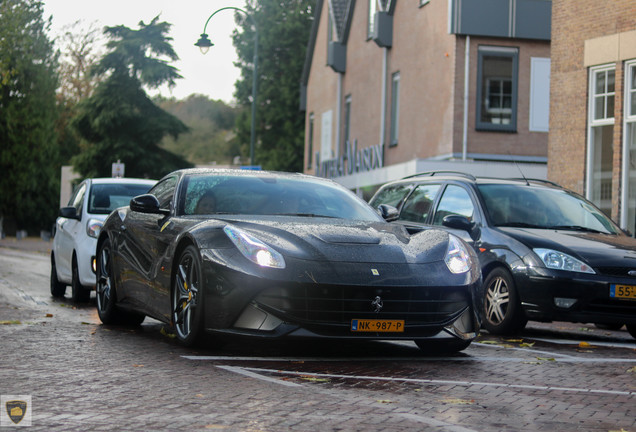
column 187, row 298
column 58, row 289
column 502, row 308
column 105, row 292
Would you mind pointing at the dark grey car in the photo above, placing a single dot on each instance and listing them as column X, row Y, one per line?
column 546, row 253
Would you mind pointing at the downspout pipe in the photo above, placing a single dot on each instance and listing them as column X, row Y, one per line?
column 466, row 83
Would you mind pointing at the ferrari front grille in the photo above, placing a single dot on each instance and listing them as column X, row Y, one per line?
column 336, row 304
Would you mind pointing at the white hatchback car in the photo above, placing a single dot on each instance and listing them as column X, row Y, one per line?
column 77, row 229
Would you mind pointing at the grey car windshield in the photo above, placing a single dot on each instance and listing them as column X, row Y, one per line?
column 540, row 207
column 271, row 195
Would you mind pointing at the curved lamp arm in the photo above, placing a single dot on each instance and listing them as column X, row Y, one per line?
column 204, row 45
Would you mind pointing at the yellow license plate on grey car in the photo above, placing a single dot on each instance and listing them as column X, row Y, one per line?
column 366, row 325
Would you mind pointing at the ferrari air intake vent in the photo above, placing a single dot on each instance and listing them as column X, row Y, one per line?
column 338, row 305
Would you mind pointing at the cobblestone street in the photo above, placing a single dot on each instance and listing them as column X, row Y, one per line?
column 82, row 375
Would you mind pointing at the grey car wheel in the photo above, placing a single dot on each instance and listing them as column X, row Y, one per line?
column 502, row 307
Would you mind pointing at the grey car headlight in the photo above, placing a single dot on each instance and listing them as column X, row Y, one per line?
column 561, row 261
column 457, row 258
column 253, row 249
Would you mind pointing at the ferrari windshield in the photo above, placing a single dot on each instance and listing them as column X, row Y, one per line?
column 513, row 205
column 271, row 195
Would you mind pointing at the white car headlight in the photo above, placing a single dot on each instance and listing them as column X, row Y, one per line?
column 457, row 258
column 93, row 227
column 560, row 261
column 253, row 249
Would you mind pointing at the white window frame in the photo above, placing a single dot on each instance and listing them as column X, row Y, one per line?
column 628, row 119
column 593, row 71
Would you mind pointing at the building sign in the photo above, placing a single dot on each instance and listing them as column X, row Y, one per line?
column 352, row 162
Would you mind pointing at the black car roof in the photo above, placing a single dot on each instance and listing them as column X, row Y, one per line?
column 469, row 178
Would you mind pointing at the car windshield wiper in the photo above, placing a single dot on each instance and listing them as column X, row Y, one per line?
column 304, row 215
column 519, row 225
column 576, row 228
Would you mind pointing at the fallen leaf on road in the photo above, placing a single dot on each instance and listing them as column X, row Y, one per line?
column 314, row 379
column 457, row 401
column 164, row 332
column 49, row 315
column 513, row 340
column 585, row 345
column 526, row 345
column 545, row 359
column 211, row 426
column 10, row 322
column 385, row 401
column 138, row 365
column 632, row 370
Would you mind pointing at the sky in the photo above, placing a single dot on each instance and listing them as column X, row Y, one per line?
column 212, row 74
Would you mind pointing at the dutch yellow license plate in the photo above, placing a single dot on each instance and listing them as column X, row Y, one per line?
column 364, row 325
column 623, row 292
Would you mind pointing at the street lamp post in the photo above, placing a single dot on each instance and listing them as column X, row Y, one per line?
column 204, row 45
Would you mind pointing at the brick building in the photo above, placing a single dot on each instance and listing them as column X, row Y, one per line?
column 396, row 87
column 592, row 143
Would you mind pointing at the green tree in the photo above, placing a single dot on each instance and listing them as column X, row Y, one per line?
column 211, row 138
column 119, row 121
column 281, row 54
column 29, row 184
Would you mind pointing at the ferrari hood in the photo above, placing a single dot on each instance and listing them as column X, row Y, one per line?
column 347, row 241
column 594, row 248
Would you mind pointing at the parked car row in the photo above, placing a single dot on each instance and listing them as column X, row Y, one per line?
column 431, row 258
column 546, row 253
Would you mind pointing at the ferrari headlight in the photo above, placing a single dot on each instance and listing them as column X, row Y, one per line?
column 253, row 249
column 457, row 258
column 93, row 227
column 560, row 261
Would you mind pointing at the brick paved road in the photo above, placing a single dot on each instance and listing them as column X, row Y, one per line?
column 85, row 376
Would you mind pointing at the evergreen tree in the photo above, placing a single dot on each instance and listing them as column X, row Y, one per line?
column 29, row 184
column 281, row 55
column 119, row 122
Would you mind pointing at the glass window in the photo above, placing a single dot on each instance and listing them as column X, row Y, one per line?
column 497, row 89
column 104, row 198
column 419, row 204
column 77, row 200
column 164, row 191
column 269, row 195
column 454, row 201
column 541, row 207
column 628, row 208
column 395, row 108
column 373, row 7
column 603, row 98
column 601, row 138
column 391, row 195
